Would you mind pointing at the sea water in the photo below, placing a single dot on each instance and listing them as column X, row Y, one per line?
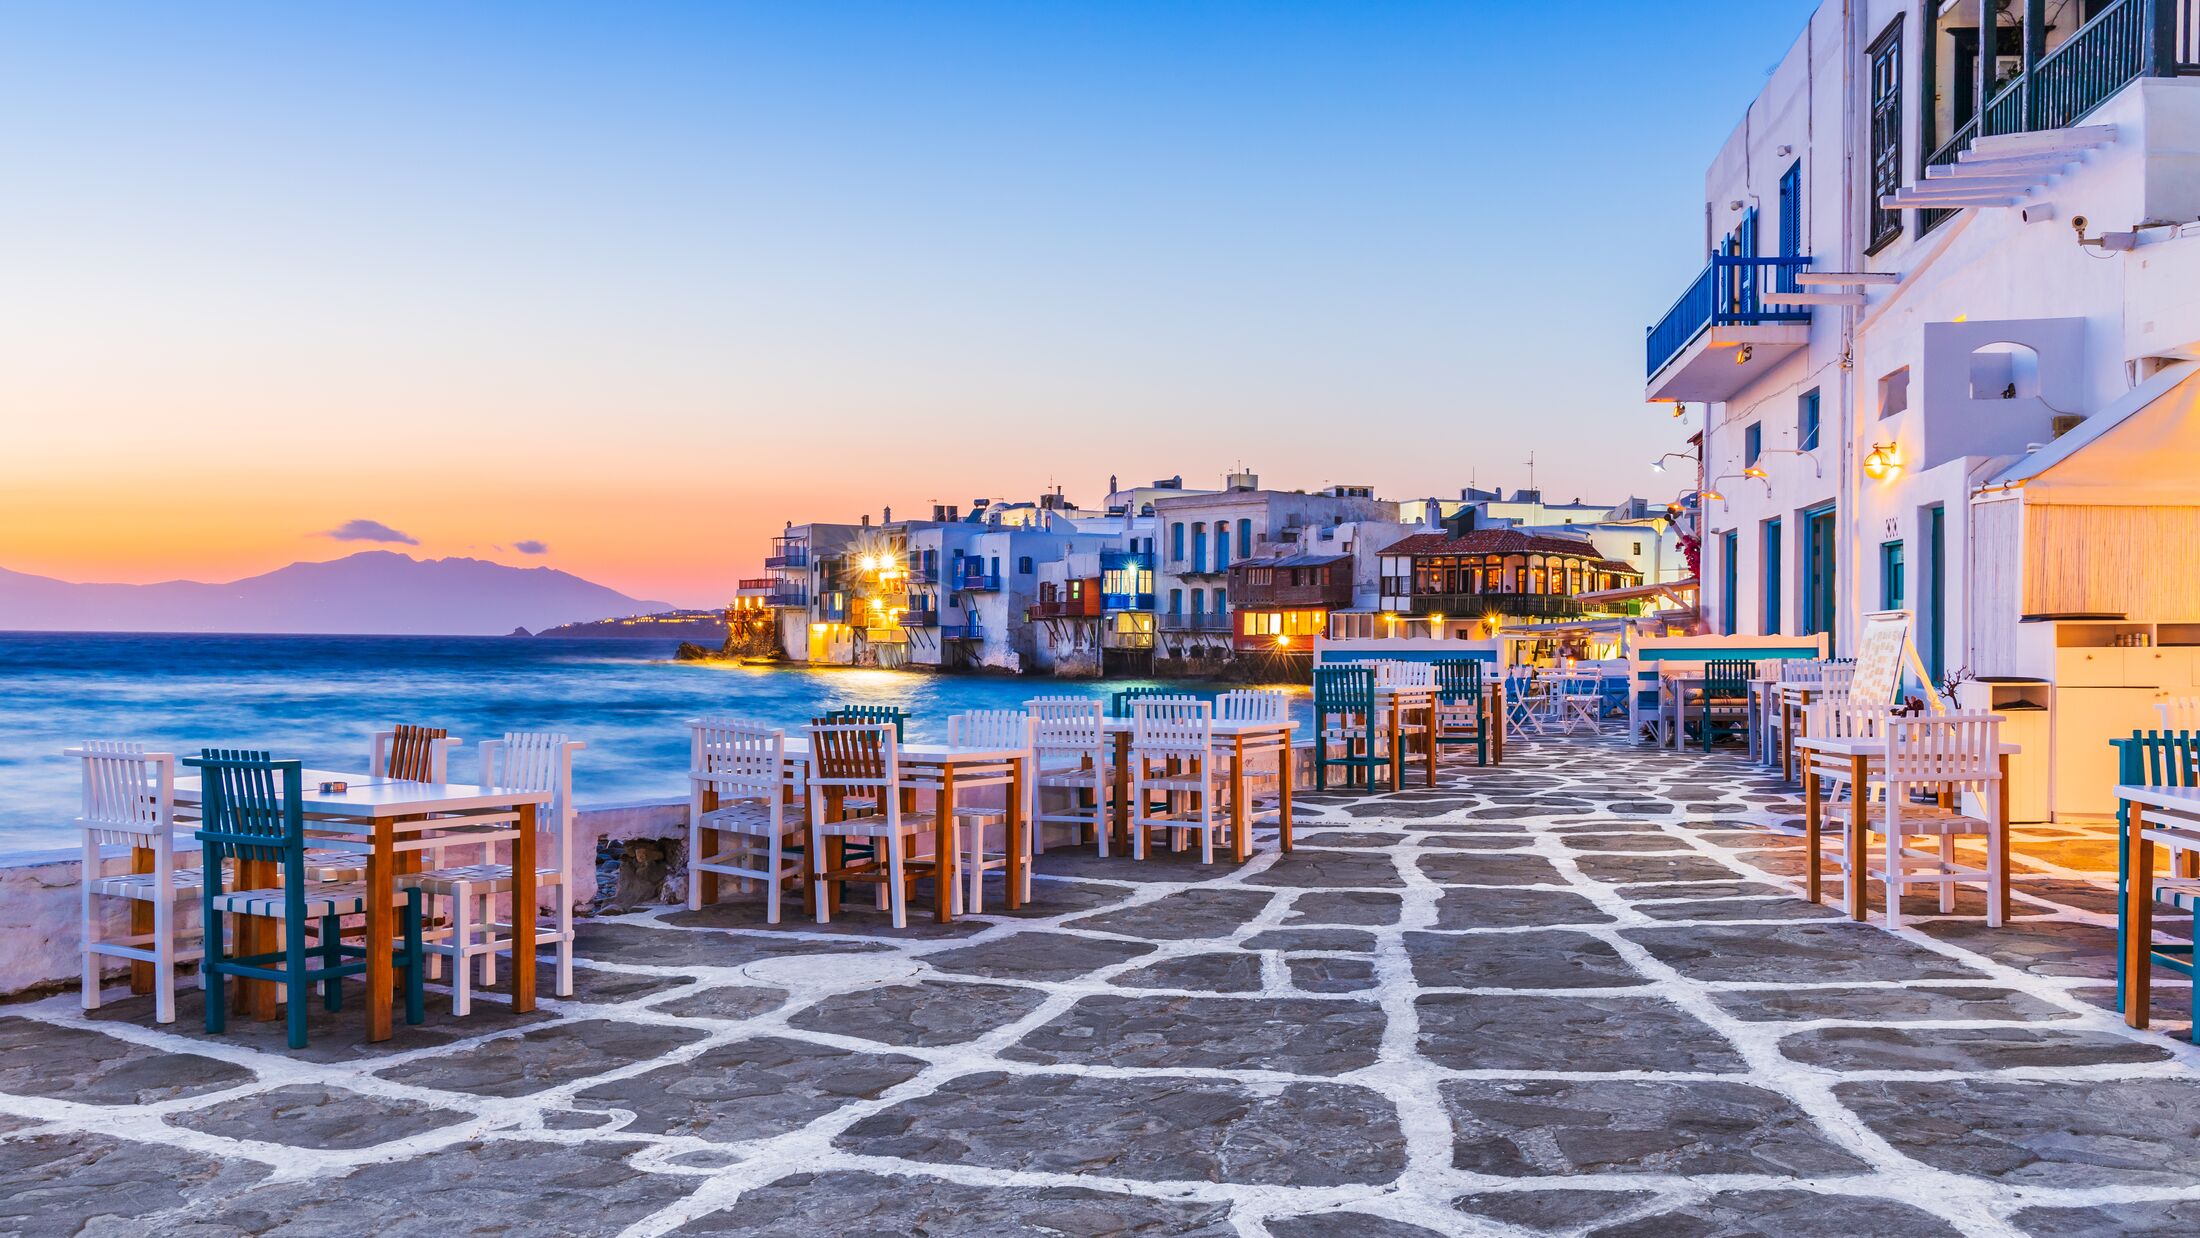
column 321, row 698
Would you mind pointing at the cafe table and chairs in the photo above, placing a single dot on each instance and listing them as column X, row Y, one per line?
column 748, row 817
column 1937, row 776
column 1348, row 735
column 2160, row 841
column 1406, row 699
column 252, row 816
column 1803, row 682
column 1721, row 703
column 1577, row 698
column 1073, row 756
column 1527, row 699
column 856, row 792
column 468, row 894
column 1242, row 742
column 393, row 823
column 948, row 771
column 1174, row 779
column 129, row 802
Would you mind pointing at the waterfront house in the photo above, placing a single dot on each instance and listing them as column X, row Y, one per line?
column 1944, row 340
column 1473, row 582
column 1200, row 536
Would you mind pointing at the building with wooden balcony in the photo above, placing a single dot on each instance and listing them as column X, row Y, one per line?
column 1495, row 577
column 1281, row 604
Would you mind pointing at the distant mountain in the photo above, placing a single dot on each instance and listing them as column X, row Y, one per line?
column 374, row 591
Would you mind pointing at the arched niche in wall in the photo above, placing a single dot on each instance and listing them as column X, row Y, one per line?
column 2005, row 370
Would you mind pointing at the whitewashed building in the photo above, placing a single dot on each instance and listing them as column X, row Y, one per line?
column 1943, row 347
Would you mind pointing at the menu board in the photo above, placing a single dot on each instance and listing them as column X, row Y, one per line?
column 1879, row 657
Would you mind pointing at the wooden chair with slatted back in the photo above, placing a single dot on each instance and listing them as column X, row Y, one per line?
column 746, row 828
column 1072, row 753
column 855, row 795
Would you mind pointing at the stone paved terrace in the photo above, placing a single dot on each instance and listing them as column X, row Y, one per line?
column 1575, row 995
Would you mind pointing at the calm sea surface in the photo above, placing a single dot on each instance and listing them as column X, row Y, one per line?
column 321, row 698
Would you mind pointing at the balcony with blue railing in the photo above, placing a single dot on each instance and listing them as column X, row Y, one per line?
column 1730, row 310
column 789, row 597
column 1112, row 602
column 791, row 556
column 920, row 618
column 967, row 630
column 979, row 582
column 833, row 610
column 1195, row 621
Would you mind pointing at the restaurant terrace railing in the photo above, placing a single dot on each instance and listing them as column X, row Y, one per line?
column 1526, row 605
column 1728, row 293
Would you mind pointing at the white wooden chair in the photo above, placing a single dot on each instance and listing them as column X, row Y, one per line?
column 1172, row 758
column 1527, row 700
column 2179, row 713
column 1263, row 705
column 858, row 765
column 1071, row 753
column 1945, row 756
column 989, row 728
column 744, row 767
column 130, row 801
column 521, row 761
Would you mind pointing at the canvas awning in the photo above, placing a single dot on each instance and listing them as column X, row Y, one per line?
column 1633, row 593
column 2141, row 451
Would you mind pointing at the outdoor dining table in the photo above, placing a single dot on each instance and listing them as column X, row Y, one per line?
column 1244, row 738
column 1862, row 752
column 1395, row 701
column 944, row 769
column 2172, row 810
column 1794, row 699
column 391, row 821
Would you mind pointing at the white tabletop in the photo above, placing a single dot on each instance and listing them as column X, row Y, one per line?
column 2169, row 799
column 926, row 754
column 372, row 798
column 1224, row 728
column 1868, row 745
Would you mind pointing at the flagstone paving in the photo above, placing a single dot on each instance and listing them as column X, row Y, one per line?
column 1574, row 995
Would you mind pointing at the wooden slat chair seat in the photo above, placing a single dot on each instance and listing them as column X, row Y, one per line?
column 763, row 832
column 890, row 715
column 521, row 761
column 1459, row 706
column 251, row 815
column 2156, row 759
column 129, row 800
column 319, row 900
column 855, row 788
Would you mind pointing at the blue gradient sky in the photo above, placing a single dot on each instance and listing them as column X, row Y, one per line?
column 642, row 281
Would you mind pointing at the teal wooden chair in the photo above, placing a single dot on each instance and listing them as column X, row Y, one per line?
column 251, row 814
column 1120, row 706
column 2154, row 759
column 1459, row 706
column 1345, row 719
column 870, row 715
column 1724, row 707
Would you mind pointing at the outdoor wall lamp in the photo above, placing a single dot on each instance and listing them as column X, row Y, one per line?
column 1658, row 465
column 1883, row 462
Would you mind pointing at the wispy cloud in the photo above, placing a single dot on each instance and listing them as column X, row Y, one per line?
column 370, row 531
column 532, row 547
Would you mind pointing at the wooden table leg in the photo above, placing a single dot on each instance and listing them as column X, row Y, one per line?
column 707, row 840
column 523, row 912
column 1018, row 824
column 1787, row 739
column 141, row 922
column 1240, row 820
column 945, row 869
column 1496, row 697
column 1122, row 791
column 2000, row 876
column 258, row 935
column 1428, row 741
column 1859, row 791
column 381, row 968
column 1283, row 792
column 2138, row 922
column 1397, row 758
column 1813, row 828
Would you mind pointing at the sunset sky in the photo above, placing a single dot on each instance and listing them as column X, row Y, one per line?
column 621, row 288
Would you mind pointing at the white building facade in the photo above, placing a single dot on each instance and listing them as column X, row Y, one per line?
column 1950, row 277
